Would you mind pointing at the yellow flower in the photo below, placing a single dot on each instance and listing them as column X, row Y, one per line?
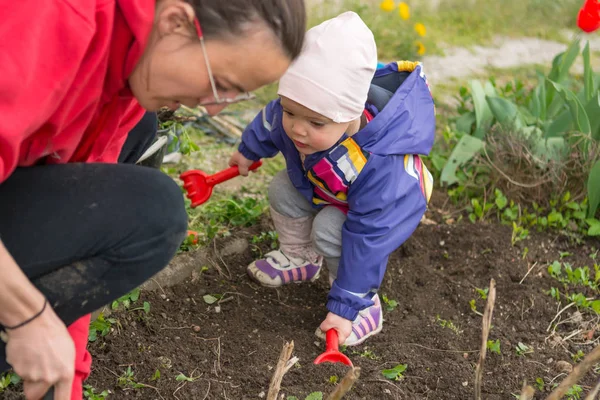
column 404, row 10
column 420, row 47
column 420, row 29
column 387, row 5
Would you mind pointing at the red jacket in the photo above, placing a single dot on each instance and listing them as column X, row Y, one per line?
column 63, row 79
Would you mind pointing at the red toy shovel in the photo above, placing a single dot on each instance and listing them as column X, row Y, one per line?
column 332, row 354
column 199, row 185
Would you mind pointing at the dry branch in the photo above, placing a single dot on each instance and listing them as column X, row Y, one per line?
column 527, row 393
column 283, row 365
column 578, row 372
column 487, row 322
column 346, row 384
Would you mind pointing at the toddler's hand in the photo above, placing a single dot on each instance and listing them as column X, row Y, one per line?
column 341, row 325
column 242, row 162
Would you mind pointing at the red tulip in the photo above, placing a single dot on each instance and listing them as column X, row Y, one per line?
column 588, row 19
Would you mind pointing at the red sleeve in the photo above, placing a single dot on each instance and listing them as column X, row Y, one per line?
column 43, row 44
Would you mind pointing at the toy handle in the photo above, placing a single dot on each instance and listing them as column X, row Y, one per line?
column 331, row 340
column 229, row 173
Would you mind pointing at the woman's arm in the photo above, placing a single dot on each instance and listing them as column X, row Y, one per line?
column 41, row 352
column 19, row 299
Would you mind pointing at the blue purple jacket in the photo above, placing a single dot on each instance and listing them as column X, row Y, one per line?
column 375, row 176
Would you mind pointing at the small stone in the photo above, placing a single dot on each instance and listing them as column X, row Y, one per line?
column 177, row 338
column 261, row 395
column 217, row 309
column 164, row 315
column 465, row 383
column 465, row 355
column 196, row 328
column 387, row 391
column 163, row 296
column 442, row 242
column 563, row 367
column 255, row 331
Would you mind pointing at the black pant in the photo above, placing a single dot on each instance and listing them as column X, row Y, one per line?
column 85, row 234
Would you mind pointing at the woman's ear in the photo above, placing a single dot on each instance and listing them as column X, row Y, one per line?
column 176, row 17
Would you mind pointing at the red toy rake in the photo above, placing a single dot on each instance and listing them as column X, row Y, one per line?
column 199, row 185
column 332, row 354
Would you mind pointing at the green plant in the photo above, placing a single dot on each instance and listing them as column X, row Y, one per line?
column 156, row 375
column 523, row 349
column 312, row 396
column 145, row 308
column 366, row 353
column 483, row 293
column 90, row 393
column 395, row 373
column 493, row 346
column 333, row 379
column 127, row 380
column 574, row 392
column 518, row 233
column 540, row 384
column 474, row 307
column 102, row 326
column 182, row 377
column 7, row 379
column 557, row 118
column 270, row 238
column 126, row 300
column 390, row 305
column 447, row 324
column 576, row 357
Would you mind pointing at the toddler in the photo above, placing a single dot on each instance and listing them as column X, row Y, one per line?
column 355, row 187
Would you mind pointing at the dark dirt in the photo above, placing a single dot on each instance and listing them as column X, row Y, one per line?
column 434, row 273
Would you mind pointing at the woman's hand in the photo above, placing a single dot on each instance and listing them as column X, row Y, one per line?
column 341, row 325
column 42, row 353
column 242, row 162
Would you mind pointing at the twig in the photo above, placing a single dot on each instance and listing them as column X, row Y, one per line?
column 527, row 392
column 221, row 258
column 487, row 322
column 532, row 267
column 207, row 391
column 508, row 178
column 346, row 384
column 558, row 314
column 578, row 372
column 593, row 393
column 283, row 365
column 158, row 284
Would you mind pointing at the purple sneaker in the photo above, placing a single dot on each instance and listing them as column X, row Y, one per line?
column 277, row 269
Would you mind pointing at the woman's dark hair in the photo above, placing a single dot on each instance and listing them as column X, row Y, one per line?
column 285, row 18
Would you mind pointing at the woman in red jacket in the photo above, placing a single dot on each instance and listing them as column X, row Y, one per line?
column 77, row 230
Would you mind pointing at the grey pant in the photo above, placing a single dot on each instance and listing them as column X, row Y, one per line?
column 326, row 231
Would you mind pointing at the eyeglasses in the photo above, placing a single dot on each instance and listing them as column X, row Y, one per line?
column 217, row 98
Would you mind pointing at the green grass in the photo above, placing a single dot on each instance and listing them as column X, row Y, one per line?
column 459, row 22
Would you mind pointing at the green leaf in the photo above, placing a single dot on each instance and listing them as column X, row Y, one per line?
column 466, row 148
column 315, row 396
column 593, row 188
column 135, row 295
column 540, row 97
column 588, row 74
column 562, row 63
column 182, row 377
column 592, row 110
column 146, row 307
column 465, row 122
column 560, row 125
column 483, row 114
column 506, row 112
column 594, row 227
column 208, row 299
column 291, row 398
column 580, row 118
column 396, row 372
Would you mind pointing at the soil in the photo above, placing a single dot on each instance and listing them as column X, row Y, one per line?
column 433, row 277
